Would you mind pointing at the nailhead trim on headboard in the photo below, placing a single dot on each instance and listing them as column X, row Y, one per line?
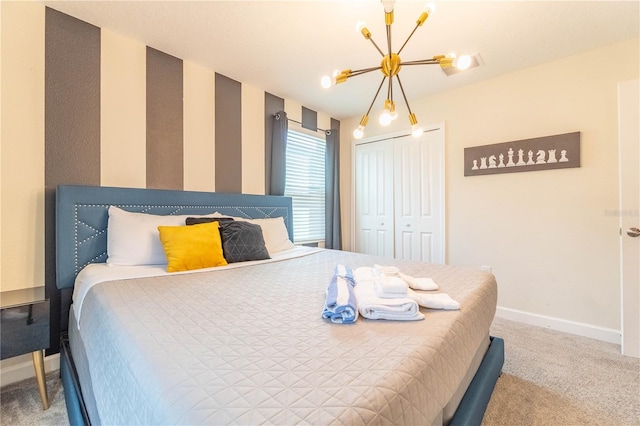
column 82, row 217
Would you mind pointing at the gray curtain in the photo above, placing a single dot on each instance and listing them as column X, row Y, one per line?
column 333, row 226
column 279, row 153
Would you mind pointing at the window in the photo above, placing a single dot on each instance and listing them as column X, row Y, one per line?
column 305, row 185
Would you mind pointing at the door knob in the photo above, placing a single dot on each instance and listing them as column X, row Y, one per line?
column 633, row 232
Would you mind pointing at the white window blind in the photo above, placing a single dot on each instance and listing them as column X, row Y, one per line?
column 305, row 185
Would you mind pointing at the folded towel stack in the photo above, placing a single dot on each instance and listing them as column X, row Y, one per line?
column 340, row 304
column 369, row 287
column 426, row 300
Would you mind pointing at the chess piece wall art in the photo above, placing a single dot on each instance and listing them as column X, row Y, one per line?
column 532, row 154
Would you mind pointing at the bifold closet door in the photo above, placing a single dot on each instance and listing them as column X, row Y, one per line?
column 399, row 197
column 418, row 198
column 373, row 183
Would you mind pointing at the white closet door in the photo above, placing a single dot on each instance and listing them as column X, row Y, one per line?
column 419, row 197
column 374, row 198
column 399, row 196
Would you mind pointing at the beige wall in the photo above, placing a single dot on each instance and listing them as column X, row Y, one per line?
column 22, row 146
column 546, row 234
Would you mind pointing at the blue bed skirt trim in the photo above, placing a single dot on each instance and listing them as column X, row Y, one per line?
column 474, row 403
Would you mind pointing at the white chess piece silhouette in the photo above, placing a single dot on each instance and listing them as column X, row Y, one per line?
column 552, row 156
column 510, row 155
column 540, row 156
column 483, row 162
column 501, row 156
column 492, row 162
column 563, row 156
column 475, row 165
column 530, row 157
column 520, row 158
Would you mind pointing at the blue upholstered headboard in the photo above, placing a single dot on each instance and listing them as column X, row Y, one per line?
column 82, row 214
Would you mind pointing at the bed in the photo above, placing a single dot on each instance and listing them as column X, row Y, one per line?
column 245, row 343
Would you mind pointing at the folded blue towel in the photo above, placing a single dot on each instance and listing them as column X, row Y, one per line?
column 340, row 304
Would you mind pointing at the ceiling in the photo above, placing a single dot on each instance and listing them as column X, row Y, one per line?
column 285, row 47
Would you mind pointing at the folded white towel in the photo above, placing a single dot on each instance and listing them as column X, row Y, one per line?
column 385, row 286
column 373, row 307
column 386, row 270
column 392, row 287
column 364, row 273
column 434, row 301
column 419, row 283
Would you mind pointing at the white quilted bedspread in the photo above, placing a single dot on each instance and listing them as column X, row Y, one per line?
column 249, row 346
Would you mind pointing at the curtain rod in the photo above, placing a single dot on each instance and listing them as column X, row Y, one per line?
column 318, row 129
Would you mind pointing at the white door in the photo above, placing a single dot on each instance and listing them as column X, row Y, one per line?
column 373, row 188
column 629, row 155
column 419, row 197
column 399, row 196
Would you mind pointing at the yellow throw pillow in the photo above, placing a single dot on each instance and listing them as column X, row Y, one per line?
column 192, row 247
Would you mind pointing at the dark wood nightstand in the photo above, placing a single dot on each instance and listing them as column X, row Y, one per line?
column 24, row 328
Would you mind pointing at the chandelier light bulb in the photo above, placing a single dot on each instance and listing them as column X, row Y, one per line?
column 326, row 81
column 388, row 5
column 416, row 130
column 358, row 133
column 430, row 8
column 394, row 114
column 463, row 62
column 385, row 117
column 359, row 26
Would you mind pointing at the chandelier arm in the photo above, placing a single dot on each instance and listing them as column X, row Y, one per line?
column 376, row 96
column 389, row 39
column 407, row 40
column 422, row 62
column 389, row 90
column 363, row 71
column 376, row 46
column 403, row 95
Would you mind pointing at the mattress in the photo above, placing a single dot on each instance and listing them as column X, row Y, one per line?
column 248, row 346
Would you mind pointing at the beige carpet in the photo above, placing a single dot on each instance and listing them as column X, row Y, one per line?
column 553, row 378
column 549, row 378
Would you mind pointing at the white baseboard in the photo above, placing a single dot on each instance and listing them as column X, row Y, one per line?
column 23, row 368
column 580, row 329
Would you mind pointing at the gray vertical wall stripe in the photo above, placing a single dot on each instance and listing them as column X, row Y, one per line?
column 72, row 128
column 228, row 116
column 165, row 153
column 272, row 104
column 309, row 119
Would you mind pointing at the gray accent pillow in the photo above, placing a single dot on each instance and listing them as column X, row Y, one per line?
column 199, row 220
column 242, row 241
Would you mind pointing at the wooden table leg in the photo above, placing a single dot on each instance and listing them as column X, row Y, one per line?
column 38, row 365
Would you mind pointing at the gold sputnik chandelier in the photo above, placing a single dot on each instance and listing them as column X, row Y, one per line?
column 390, row 67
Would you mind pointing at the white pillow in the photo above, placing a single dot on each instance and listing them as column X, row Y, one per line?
column 274, row 232
column 133, row 238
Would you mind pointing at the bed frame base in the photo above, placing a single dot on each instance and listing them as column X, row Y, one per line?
column 76, row 410
column 470, row 411
column 476, row 398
